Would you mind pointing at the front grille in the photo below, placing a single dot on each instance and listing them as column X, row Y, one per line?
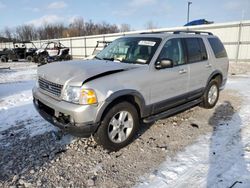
column 50, row 87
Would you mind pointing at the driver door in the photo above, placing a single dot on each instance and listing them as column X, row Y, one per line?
column 170, row 85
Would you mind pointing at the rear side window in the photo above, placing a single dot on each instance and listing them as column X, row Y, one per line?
column 218, row 48
column 196, row 50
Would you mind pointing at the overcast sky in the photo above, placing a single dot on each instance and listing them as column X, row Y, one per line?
column 163, row 13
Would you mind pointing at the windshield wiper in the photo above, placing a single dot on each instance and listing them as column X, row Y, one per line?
column 109, row 59
column 98, row 58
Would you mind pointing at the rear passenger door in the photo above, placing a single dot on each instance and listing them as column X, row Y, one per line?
column 199, row 66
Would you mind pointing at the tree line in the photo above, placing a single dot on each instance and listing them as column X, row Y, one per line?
column 78, row 27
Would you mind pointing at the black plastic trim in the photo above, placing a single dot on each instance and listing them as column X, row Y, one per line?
column 172, row 111
column 176, row 101
column 213, row 74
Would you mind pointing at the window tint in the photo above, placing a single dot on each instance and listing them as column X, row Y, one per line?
column 196, row 50
column 218, row 48
column 173, row 50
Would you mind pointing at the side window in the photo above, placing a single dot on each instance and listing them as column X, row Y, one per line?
column 218, row 48
column 196, row 50
column 173, row 50
column 203, row 49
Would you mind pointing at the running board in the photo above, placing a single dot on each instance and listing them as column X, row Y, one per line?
column 172, row 111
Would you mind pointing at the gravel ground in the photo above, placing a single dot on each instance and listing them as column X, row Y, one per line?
column 54, row 160
column 239, row 68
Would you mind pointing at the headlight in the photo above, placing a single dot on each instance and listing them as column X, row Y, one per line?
column 79, row 95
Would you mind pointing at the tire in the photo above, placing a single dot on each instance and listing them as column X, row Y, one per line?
column 68, row 57
column 3, row 59
column 42, row 59
column 35, row 58
column 113, row 133
column 211, row 95
column 29, row 59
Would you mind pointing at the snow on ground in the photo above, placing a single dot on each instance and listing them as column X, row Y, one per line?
column 17, row 72
column 220, row 159
column 16, row 107
column 13, row 94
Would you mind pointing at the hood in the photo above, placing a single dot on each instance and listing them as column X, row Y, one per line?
column 81, row 71
column 38, row 51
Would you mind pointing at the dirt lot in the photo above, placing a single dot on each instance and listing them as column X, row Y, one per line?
column 52, row 159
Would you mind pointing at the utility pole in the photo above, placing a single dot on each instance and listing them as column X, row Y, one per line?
column 189, row 3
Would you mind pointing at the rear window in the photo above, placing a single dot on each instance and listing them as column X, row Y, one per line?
column 218, row 48
column 196, row 50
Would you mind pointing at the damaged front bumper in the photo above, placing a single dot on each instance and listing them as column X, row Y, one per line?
column 75, row 119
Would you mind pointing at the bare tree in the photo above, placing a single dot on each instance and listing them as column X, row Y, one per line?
column 104, row 28
column 26, row 32
column 150, row 25
column 90, row 28
column 8, row 33
column 50, row 31
column 2, row 38
column 77, row 27
column 125, row 27
column 57, row 30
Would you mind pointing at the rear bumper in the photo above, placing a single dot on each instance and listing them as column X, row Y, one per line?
column 223, row 84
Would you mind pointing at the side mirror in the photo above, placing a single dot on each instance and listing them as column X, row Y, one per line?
column 164, row 63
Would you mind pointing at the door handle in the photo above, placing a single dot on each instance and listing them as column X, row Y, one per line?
column 182, row 71
column 209, row 66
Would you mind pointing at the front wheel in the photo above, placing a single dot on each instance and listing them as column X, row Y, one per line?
column 118, row 126
column 211, row 95
column 42, row 59
column 3, row 59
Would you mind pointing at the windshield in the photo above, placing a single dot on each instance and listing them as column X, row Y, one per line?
column 44, row 45
column 130, row 50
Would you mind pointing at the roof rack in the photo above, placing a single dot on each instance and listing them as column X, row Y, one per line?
column 178, row 32
column 195, row 32
column 155, row 32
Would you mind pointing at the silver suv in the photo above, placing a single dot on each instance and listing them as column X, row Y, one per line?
column 137, row 78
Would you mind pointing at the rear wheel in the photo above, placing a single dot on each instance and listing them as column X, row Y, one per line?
column 118, row 126
column 68, row 57
column 211, row 94
column 29, row 58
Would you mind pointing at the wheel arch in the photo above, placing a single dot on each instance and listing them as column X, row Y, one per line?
column 131, row 96
column 216, row 75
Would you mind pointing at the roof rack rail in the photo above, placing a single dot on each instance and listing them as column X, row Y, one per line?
column 153, row 32
column 195, row 32
column 178, row 32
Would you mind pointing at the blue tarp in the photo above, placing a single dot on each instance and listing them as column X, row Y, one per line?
column 198, row 22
